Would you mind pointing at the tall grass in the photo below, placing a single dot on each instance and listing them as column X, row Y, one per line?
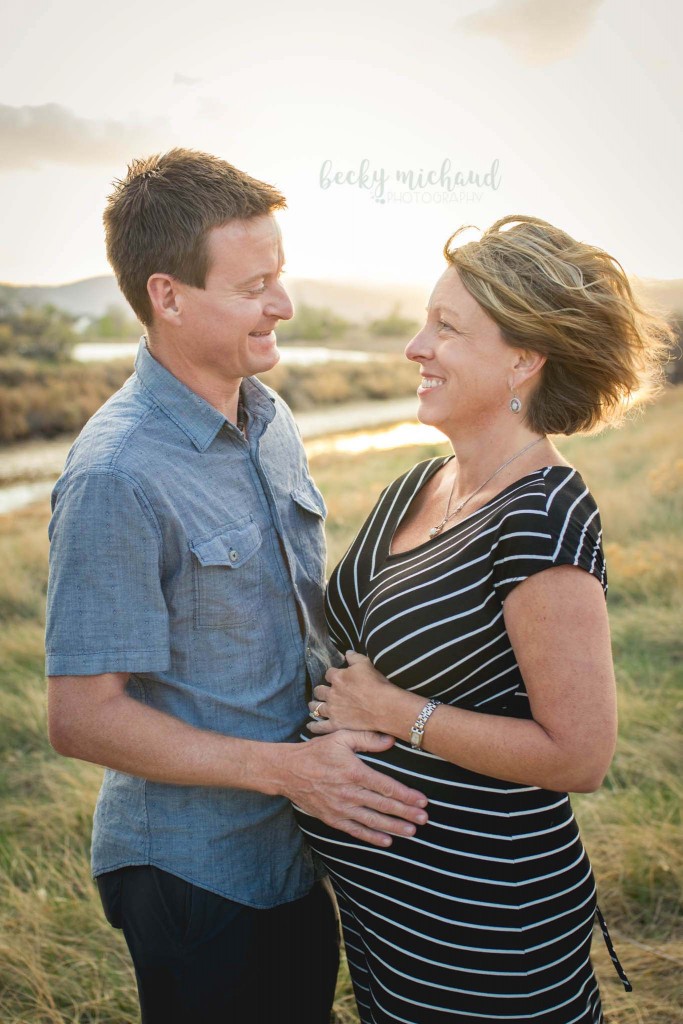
column 60, row 963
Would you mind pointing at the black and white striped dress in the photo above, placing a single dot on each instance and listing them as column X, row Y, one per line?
column 486, row 914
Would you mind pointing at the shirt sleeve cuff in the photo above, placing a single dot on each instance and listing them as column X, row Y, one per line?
column 107, row 661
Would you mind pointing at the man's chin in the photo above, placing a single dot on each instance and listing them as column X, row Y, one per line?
column 262, row 361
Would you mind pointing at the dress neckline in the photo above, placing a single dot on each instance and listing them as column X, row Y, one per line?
column 445, row 533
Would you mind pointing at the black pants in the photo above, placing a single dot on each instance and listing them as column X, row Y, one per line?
column 200, row 958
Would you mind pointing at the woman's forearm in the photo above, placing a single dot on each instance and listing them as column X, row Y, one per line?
column 517, row 750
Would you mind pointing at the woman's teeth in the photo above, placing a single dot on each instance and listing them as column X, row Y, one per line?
column 431, row 382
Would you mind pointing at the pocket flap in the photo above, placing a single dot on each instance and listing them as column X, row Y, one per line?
column 311, row 500
column 232, row 547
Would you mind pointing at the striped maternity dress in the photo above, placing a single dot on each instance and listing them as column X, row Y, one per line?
column 486, row 914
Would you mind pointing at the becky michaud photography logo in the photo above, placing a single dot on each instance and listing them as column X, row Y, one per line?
column 446, row 184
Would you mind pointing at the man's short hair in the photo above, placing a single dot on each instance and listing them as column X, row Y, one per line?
column 158, row 217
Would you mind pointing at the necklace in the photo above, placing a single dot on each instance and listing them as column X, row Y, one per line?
column 436, row 530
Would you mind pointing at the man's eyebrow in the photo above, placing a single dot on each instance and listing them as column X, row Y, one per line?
column 260, row 277
column 250, row 280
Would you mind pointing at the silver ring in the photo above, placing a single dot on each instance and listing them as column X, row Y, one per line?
column 316, row 712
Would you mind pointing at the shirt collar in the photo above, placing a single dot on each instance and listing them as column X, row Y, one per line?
column 195, row 416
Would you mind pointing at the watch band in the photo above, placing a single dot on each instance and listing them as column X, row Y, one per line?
column 418, row 730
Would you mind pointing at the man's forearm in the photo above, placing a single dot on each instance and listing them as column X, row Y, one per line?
column 126, row 735
column 99, row 722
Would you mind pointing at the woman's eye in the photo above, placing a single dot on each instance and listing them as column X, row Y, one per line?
column 443, row 326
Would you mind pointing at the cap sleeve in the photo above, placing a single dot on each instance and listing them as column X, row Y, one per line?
column 564, row 529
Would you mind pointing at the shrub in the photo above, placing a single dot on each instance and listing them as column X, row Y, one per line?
column 312, row 323
column 394, row 325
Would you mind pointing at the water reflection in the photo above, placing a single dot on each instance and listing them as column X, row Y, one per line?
column 19, row 495
column 400, row 435
column 403, row 434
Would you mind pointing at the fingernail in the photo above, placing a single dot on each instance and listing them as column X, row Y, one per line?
column 408, row 830
column 422, row 818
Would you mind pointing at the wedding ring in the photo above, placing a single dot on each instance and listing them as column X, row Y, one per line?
column 316, row 711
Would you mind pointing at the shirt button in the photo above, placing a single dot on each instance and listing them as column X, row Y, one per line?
column 233, row 555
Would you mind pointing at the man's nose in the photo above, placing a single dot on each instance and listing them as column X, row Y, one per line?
column 280, row 304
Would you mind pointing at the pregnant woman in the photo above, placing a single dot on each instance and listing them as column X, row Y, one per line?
column 471, row 609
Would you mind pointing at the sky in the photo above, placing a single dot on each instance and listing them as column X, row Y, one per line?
column 387, row 125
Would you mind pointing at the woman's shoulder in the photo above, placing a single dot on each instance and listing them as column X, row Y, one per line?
column 554, row 502
column 555, row 491
column 549, row 518
column 568, row 498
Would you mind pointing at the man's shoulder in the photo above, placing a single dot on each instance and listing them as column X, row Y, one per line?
column 111, row 439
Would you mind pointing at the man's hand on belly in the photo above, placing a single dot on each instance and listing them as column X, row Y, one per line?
column 325, row 779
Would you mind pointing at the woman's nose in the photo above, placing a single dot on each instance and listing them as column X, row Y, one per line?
column 418, row 348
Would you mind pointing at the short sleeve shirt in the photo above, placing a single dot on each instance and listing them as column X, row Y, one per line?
column 192, row 556
column 431, row 619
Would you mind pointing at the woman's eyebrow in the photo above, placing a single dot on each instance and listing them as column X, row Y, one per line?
column 450, row 313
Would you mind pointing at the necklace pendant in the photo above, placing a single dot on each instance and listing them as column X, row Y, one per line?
column 435, row 531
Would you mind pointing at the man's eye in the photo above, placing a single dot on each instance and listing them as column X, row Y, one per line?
column 258, row 291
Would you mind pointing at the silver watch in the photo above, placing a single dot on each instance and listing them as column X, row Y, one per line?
column 418, row 730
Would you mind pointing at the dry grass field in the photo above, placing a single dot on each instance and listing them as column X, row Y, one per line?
column 59, row 961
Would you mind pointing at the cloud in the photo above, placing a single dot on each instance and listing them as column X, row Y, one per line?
column 51, row 134
column 213, row 109
column 537, row 32
column 180, row 79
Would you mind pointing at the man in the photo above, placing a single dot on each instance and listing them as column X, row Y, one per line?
column 185, row 622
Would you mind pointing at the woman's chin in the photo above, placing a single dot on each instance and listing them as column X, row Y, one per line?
column 427, row 416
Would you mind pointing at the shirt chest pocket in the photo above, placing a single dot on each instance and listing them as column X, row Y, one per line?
column 226, row 570
column 309, row 514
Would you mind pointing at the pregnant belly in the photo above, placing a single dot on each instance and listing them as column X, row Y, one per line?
column 470, row 814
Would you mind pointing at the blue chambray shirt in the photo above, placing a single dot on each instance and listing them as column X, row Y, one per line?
column 194, row 559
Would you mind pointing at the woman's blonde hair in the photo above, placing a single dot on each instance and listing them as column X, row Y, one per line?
column 572, row 303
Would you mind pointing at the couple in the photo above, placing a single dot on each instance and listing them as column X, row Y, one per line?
column 186, row 633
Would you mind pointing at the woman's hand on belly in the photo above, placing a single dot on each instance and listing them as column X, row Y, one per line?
column 358, row 697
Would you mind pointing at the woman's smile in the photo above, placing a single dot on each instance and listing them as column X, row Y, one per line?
column 429, row 383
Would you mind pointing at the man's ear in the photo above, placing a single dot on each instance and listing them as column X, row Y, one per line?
column 164, row 295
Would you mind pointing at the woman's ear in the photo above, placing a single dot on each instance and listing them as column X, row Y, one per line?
column 527, row 365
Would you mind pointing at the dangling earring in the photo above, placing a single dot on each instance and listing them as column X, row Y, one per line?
column 515, row 404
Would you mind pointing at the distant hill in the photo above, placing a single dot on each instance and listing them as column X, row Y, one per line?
column 90, row 297
column 353, row 301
